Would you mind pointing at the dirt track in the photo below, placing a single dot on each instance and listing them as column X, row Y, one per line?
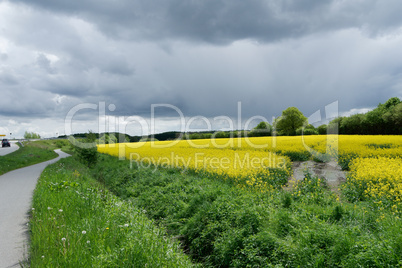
column 331, row 171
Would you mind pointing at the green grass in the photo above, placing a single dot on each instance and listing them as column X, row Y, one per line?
column 28, row 155
column 221, row 225
column 75, row 222
column 62, row 144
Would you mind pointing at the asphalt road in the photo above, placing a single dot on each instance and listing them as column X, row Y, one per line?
column 7, row 150
column 16, row 188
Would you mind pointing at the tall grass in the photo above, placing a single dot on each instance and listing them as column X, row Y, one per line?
column 75, row 222
column 222, row 225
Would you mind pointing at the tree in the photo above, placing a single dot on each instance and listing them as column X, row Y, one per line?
column 262, row 129
column 334, row 125
column 322, row 130
column 31, row 135
column 393, row 117
column 290, row 120
column 107, row 138
column 381, row 120
column 307, row 130
column 353, row 124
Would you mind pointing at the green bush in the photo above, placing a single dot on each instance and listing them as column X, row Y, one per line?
column 85, row 150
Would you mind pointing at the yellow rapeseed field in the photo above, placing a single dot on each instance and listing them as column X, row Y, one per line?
column 378, row 179
column 255, row 161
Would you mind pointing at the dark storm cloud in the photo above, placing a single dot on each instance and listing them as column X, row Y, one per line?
column 202, row 57
column 224, row 21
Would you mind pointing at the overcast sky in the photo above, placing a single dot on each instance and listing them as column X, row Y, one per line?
column 204, row 58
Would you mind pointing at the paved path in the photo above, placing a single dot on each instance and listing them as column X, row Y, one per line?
column 16, row 188
column 7, row 150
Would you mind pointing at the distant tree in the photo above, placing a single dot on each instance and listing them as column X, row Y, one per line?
column 394, row 118
column 353, row 124
column 322, row 130
column 262, row 129
column 290, row 120
column 123, row 138
column 307, row 130
column 242, row 133
column 383, row 119
column 334, row 125
column 31, row 135
column 220, row 135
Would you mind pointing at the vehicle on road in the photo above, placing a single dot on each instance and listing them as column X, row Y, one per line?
column 5, row 143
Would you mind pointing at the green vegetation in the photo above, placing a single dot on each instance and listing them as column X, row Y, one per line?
column 290, row 120
column 32, row 153
column 386, row 119
column 54, row 144
column 85, row 150
column 75, row 222
column 222, row 225
column 31, row 135
column 262, row 129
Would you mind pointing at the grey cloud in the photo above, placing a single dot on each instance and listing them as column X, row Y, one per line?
column 3, row 56
column 224, row 21
column 44, row 63
column 7, row 78
column 192, row 54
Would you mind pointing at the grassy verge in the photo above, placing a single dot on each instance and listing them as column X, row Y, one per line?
column 76, row 223
column 224, row 226
column 28, row 155
column 62, row 144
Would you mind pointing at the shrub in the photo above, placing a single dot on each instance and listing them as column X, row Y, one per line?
column 85, row 150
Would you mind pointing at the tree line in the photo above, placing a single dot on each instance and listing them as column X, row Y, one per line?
column 385, row 119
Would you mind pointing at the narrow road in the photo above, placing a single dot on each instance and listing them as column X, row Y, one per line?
column 16, row 188
column 7, row 150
